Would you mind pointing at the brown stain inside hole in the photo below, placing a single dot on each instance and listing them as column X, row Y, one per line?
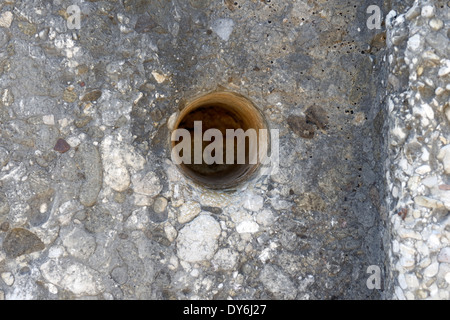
column 222, row 111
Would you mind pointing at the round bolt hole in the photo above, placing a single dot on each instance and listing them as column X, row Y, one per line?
column 219, row 140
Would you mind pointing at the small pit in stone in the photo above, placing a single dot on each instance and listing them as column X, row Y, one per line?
column 222, row 111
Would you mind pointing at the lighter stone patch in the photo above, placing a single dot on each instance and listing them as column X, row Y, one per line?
column 415, row 42
column 8, row 278
column 79, row 243
column 223, row 28
column 247, row 227
column 116, row 173
column 188, row 211
column 160, row 78
column 265, row 218
column 49, row 119
column 444, row 255
column 253, row 202
column 6, row 19
column 71, row 276
column 197, row 241
column 432, row 270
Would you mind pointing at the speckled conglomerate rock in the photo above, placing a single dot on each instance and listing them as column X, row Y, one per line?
column 107, row 215
column 419, row 137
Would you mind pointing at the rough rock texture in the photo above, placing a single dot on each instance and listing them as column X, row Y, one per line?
column 107, row 215
column 418, row 172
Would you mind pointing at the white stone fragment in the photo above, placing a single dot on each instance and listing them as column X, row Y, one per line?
column 444, row 255
column 423, row 169
column 253, row 202
column 223, row 28
column 247, row 227
column 197, row 241
column 399, row 293
column 8, row 278
column 116, row 173
column 415, row 42
column 411, row 280
column 6, row 19
column 188, row 211
column 402, row 281
column 447, row 277
column 430, row 182
column 431, row 270
column 436, row 24
column 265, row 218
column 49, row 120
column 428, row 11
column 430, row 55
column 71, row 276
column 433, row 242
column 428, row 111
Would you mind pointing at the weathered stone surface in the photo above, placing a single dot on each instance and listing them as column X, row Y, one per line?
column 93, row 95
column 72, row 276
column 93, row 173
column 4, row 205
column 278, row 283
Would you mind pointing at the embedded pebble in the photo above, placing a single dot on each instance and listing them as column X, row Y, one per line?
column 8, row 278
column 72, row 276
column 436, row 24
column 197, row 241
column 444, row 255
column 6, row 19
column 247, row 227
column 61, row 146
column 428, row 11
column 253, row 202
column 223, row 28
column 188, row 211
column 20, row 241
column 431, row 270
column 160, row 204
